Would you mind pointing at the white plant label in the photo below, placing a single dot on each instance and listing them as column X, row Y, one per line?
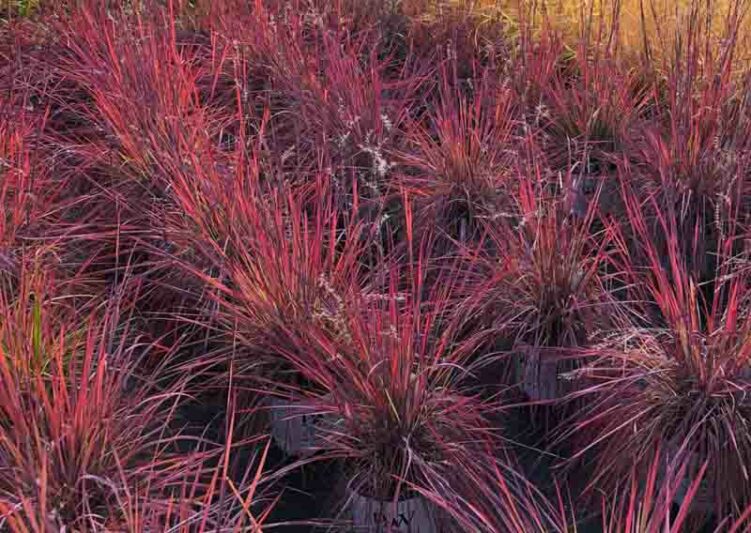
column 412, row 515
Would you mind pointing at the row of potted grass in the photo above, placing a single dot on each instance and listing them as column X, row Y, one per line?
column 372, row 237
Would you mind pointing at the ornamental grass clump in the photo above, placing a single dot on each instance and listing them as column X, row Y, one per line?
column 544, row 288
column 459, row 160
column 674, row 387
column 401, row 414
column 72, row 418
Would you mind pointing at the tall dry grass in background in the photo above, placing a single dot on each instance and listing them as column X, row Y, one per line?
column 642, row 29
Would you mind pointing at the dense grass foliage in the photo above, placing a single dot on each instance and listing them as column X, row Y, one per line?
column 490, row 257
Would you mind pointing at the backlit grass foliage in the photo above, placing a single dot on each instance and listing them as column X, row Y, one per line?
column 263, row 261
